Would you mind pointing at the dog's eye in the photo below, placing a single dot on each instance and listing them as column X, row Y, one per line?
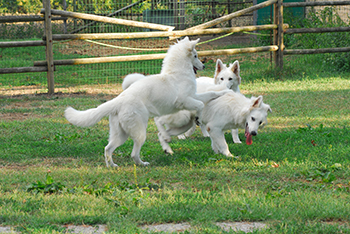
column 253, row 119
column 221, row 78
column 230, row 79
column 195, row 56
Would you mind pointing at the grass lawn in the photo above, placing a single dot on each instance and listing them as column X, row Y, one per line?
column 295, row 177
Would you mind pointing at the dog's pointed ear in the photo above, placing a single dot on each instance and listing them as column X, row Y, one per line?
column 256, row 102
column 193, row 43
column 235, row 67
column 236, row 70
column 267, row 107
column 218, row 68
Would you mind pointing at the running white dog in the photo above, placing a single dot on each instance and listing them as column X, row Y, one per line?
column 233, row 110
column 172, row 90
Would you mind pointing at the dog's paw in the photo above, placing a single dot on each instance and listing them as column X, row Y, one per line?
column 168, row 151
column 181, row 137
column 144, row 164
column 112, row 165
column 237, row 141
column 232, row 156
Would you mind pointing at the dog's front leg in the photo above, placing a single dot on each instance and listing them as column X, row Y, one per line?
column 218, row 140
column 208, row 96
column 235, row 136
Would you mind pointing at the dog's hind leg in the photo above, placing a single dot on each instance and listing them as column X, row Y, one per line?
column 180, row 130
column 235, row 137
column 190, row 131
column 160, row 125
column 138, row 133
column 117, row 137
column 138, row 142
column 165, row 146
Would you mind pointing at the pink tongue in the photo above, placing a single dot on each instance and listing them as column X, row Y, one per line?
column 249, row 139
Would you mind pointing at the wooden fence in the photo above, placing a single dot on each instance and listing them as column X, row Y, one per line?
column 278, row 27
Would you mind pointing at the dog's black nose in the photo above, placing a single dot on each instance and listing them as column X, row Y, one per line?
column 253, row 133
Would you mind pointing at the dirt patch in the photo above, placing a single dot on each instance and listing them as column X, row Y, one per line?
column 170, row 227
column 246, row 227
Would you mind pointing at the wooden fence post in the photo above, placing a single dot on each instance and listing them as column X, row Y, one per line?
column 49, row 49
column 278, row 34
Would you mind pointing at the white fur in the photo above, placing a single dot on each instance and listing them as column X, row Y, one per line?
column 233, row 110
column 228, row 77
column 172, row 90
column 168, row 125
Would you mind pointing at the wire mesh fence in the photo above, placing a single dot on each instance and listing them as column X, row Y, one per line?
column 181, row 14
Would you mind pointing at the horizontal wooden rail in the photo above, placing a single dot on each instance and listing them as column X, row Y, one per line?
column 317, row 30
column 164, row 34
column 7, row 44
column 153, row 56
column 316, row 51
column 22, row 69
column 324, row 3
column 105, row 19
column 238, row 51
column 26, row 18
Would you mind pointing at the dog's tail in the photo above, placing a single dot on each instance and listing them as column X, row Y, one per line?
column 130, row 79
column 90, row 117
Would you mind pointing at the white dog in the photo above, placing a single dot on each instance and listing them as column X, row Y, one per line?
column 172, row 90
column 184, row 121
column 233, row 110
column 226, row 76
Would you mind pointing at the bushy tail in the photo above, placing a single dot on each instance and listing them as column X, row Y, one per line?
column 130, row 79
column 90, row 117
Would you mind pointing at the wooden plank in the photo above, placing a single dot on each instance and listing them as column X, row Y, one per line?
column 154, row 56
column 323, row 3
column 176, row 33
column 110, row 20
column 233, row 15
column 7, row 44
column 316, row 51
column 25, row 18
column 317, row 30
column 22, row 70
column 49, row 48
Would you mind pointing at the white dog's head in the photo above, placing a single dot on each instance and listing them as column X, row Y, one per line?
column 229, row 76
column 257, row 117
column 197, row 64
column 182, row 53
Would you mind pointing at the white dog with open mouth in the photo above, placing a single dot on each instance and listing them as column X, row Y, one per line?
column 172, row 90
column 233, row 110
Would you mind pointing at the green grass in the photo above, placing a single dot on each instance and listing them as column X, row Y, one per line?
column 295, row 177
